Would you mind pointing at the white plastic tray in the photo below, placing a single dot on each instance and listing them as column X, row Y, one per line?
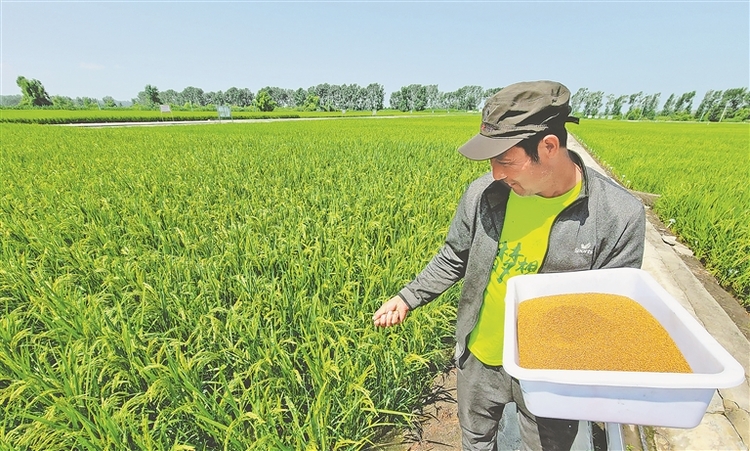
column 655, row 399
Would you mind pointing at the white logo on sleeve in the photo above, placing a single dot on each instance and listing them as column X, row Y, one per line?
column 585, row 248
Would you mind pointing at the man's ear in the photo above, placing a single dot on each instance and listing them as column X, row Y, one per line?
column 549, row 146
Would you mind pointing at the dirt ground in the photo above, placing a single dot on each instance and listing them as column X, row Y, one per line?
column 439, row 431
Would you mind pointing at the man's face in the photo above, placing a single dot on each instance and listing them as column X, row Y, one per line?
column 520, row 173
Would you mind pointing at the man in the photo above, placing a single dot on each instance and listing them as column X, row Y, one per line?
column 538, row 210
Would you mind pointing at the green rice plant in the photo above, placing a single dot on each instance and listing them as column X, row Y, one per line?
column 212, row 287
column 701, row 171
column 201, row 287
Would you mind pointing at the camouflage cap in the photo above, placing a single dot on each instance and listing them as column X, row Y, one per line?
column 517, row 112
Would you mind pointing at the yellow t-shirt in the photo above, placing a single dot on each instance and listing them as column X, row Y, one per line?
column 522, row 247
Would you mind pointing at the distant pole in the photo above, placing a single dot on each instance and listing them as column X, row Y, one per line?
column 726, row 105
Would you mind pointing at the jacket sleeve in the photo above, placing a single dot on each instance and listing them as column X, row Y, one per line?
column 448, row 266
column 626, row 250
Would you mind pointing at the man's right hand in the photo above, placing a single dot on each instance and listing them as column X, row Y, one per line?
column 392, row 312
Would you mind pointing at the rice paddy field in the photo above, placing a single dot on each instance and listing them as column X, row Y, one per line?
column 212, row 286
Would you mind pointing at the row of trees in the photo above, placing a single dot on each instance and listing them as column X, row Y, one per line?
column 327, row 97
column 732, row 104
column 324, row 97
column 193, row 97
column 427, row 97
column 33, row 94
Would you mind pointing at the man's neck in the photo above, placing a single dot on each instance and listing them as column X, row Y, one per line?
column 567, row 176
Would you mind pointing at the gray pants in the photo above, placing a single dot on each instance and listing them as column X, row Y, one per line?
column 482, row 393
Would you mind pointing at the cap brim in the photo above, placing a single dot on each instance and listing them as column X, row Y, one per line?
column 481, row 147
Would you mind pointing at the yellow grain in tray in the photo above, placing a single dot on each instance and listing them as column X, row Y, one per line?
column 594, row 331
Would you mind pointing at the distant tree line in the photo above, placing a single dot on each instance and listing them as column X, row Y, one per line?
column 33, row 94
column 325, row 97
column 730, row 105
column 428, row 97
column 322, row 97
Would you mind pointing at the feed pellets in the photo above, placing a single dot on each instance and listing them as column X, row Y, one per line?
column 594, row 331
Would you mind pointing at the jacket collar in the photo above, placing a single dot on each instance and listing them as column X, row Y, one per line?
column 584, row 173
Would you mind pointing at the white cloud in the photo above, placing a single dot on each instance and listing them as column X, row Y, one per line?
column 91, row 66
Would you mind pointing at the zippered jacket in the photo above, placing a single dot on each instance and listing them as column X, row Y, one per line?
column 604, row 227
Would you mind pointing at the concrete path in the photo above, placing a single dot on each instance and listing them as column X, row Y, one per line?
column 726, row 424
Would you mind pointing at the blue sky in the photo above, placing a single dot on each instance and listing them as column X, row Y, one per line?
column 106, row 48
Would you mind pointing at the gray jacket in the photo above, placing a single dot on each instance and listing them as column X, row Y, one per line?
column 604, row 227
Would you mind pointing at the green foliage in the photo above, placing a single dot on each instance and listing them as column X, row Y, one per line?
column 416, row 97
column 63, row 103
column 650, row 104
column 148, row 98
column 193, row 96
column 239, row 97
column 152, row 95
column 469, row 97
column 87, row 103
column 634, row 100
column 33, row 92
column 682, row 116
column 10, row 100
column 742, row 114
column 311, row 103
column 211, row 287
column 634, row 114
column 593, row 104
column 489, row 92
column 578, row 99
column 718, row 106
column 684, row 103
column 398, row 100
column 264, row 102
column 668, row 108
column 373, row 96
column 617, row 105
column 410, row 98
column 109, row 102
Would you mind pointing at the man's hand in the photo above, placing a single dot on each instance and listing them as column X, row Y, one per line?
column 392, row 312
